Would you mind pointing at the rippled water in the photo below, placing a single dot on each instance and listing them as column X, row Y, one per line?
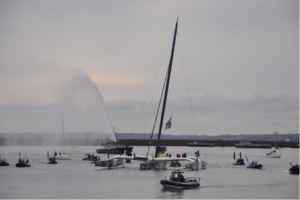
column 81, row 179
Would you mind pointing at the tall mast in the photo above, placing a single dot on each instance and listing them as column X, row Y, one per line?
column 167, row 88
column 63, row 129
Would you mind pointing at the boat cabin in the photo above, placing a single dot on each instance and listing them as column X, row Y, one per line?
column 175, row 175
column 111, row 144
column 24, row 160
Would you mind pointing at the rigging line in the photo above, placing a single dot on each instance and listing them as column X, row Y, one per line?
column 148, row 117
column 179, row 113
column 151, row 87
column 157, row 113
column 187, row 84
column 157, row 104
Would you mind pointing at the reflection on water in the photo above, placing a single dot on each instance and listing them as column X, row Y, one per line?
column 172, row 193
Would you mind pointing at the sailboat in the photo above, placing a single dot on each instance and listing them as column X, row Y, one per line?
column 274, row 154
column 155, row 161
column 239, row 161
column 62, row 156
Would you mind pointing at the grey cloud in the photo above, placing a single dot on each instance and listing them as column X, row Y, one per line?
column 237, row 113
column 243, row 55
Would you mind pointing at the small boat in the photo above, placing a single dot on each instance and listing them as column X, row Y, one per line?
column 3, row 162
column 62, row 156
column 175, row 163
column 253, row 164
column 23, row 162
column 274, row 154
column 51, row 160
column 239, row 161
column 178, row 181
column 294, row 169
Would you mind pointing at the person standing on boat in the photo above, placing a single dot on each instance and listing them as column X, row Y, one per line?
column 181, row 178
column 152, row 157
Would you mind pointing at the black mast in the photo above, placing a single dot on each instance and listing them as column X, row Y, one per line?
column 167, row 88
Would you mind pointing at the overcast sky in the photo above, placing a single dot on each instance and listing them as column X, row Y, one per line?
column 238, row 61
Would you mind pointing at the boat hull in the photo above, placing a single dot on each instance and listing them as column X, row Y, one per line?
column 149, row 165
column 238, row 163
column 175, row 165
column 294, row 170
column 22, row 165
column 63, row 157
column 4, row 164
column 111, row 163
column 179, row 185
column 196, row 165
column 254, row 166
column 52, row 162
column 273, row 156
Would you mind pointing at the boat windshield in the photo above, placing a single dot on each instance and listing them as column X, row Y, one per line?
column 175, row 175
column 86, row 155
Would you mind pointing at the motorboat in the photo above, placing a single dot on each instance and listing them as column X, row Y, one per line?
column 3, row 162
column 91, row 157
column 239, row 161
column 62, row 156
column 51, row 160
column 114, row 148
column 177, row 180
column 294, row 169
column 253, row 164
column 23, row 162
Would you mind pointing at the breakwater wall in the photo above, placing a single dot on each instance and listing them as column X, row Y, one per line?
column 218, row 143
column 131, row 142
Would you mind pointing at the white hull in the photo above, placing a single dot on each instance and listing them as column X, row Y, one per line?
column 274, row 155
column 63, row 157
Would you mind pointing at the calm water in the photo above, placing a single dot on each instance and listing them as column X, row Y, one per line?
column 81, row 179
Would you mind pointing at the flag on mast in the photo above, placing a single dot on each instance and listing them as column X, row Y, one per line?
column 169, row 124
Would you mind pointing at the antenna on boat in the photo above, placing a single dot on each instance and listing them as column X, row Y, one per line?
column 63, row 129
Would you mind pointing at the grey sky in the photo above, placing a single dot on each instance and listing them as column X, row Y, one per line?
column 241, row 60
